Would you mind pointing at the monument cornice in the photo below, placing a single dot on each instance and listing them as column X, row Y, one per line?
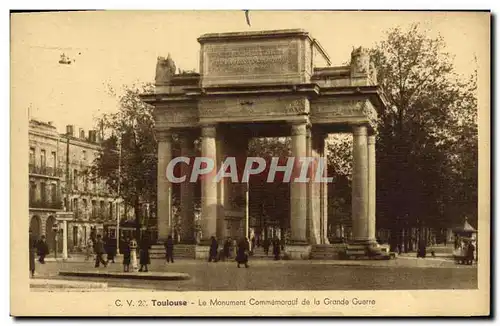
column 235, row 36
column 310, row 89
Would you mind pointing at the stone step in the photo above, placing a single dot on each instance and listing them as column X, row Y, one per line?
column 327, row 251
column 180, row 251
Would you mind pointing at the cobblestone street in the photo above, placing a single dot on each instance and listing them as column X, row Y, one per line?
column 398, row 274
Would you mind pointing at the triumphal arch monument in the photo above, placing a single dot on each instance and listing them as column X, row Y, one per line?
column 266, row 84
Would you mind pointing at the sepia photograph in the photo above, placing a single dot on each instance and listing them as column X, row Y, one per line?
column 250, row 163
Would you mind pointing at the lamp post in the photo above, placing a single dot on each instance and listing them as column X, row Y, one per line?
column 117, row 201
column 247, row 214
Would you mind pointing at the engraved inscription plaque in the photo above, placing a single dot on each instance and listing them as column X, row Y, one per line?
column 244, row 62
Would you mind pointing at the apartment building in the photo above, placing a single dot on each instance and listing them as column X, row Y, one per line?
column 62, row 194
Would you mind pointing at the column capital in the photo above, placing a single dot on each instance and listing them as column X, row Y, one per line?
column 209, row 130
column 299, row 129
column 359, row 130
column 163, row 134
column 372, row 139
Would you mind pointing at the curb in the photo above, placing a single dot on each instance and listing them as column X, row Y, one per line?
column 130, row 275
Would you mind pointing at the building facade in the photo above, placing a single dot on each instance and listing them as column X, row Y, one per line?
column 65, row 204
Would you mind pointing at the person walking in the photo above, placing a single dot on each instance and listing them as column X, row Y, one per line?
column 276, row 249
column 226, row 249
column 42, row 249
column 169, row 249
column 99, row 251
column 470, row 253
column 144, row 259
column 90, row 249
column 133, row 254
column 125, row 250
column 265, row 245
column 243, row 250
column 32, row 248
column 214, row 246
column 234, row 247
column 111, row 249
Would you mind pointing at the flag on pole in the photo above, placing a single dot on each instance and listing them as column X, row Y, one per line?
column 247, row 17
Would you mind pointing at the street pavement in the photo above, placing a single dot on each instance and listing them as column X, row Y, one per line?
column 406, row 273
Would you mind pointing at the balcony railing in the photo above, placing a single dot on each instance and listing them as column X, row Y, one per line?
column 45, row 170
column 55, row 204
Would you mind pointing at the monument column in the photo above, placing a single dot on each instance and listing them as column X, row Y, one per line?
column 298, row 195
column 360, row 185
column 371, row 188
column 187, row 189
column 164, row 138
column 208, row 188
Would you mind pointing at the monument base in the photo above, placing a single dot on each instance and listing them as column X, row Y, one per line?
column 298, row 252
column 366, row 249
column 202, row 252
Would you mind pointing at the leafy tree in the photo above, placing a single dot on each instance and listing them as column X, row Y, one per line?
column 425, row 165
column 270, row 201
column 339, row 191
column 128, row 160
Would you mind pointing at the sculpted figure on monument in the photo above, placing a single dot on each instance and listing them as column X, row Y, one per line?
column 165, row 69
column 360, row 61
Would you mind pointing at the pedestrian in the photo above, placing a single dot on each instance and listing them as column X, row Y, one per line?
column 243, row 250
column 227, row 248
column 276, row 249
column 421, row 253
column 253, row 244
column 99, row 251
column 111, row 249
column 470, row 253
column 144, row 259
column 133, row 254
column 90, row 248
column 214, row 246
column 42, row 249
column 125, row 250
column 265, row 245
column 32, row 248
column 169, row 249
column 234, row 247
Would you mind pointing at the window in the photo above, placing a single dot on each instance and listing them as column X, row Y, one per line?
column 75, row 179
column 43, row 158
column 32, row 191
column 53, row 193
column 54, row 159
column 110, row 210
column 102, row 208
column 74, row 207
column 84, row 209
column 94, row 209
column 43, row 192
column 75, row 236
column 32, row 156
column 84, row 156
column 85, row 182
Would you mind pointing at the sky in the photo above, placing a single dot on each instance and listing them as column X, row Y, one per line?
column 120, row 48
